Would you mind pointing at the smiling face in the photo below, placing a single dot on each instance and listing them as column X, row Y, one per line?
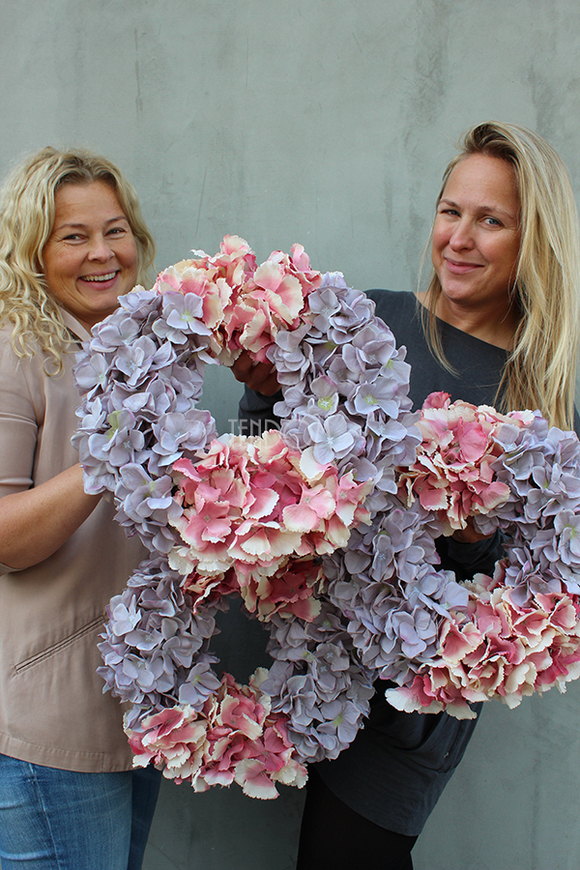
column 90, row 258
column 476, row 239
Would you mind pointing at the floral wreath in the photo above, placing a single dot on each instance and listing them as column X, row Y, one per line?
column 325, row 528
column 248, row 515
column 446, row 645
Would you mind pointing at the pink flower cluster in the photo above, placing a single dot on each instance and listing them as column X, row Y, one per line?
column 235, row 738
column 253, row 520
column 452, row 474
column 244, row 305
column 499, row 648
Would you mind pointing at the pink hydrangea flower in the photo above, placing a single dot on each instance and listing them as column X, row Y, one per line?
column 248, row 505
column 235, row 737
column 452, row 474
column 288, row 591
column 173, row 738
column 499, row 649
column 244, row 305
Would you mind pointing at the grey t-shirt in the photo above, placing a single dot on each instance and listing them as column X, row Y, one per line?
column 398, row 765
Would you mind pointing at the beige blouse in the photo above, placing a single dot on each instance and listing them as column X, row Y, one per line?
column 52, row 707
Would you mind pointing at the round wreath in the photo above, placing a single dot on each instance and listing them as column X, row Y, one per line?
column 445, row 644
column 252, row 516
column 326, row 529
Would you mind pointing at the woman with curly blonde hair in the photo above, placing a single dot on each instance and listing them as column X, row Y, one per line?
column 26, row 221
column 72, row 240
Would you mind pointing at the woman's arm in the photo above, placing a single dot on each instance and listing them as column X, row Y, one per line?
column 36, row 522
column 42, row 500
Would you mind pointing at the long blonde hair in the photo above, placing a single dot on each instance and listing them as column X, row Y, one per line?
column 26, row 221
column 541, row 369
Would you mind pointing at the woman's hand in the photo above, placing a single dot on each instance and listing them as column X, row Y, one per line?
column 468, row 535
column 36, row 522
column 261, row 377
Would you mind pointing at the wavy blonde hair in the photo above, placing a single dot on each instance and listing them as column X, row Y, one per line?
column 541, row 369
column 26, row 221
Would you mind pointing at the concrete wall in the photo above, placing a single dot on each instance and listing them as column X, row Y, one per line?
column 326, row 122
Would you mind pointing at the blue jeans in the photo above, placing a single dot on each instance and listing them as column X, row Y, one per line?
column 54, row 819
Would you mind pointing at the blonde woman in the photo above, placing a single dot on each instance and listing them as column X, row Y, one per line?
column 539, row 323
column 497, row 325
column 72, row 240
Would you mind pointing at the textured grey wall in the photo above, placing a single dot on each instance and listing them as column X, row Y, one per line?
column 326, row 122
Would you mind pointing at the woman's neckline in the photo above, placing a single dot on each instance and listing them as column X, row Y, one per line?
column 501, row 347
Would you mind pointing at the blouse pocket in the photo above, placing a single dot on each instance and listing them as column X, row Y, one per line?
column 444, row 746
column 435, row 742
column 59, row 646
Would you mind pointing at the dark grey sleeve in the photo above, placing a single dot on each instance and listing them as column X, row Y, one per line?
column 256, row 413
column 469, row 559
